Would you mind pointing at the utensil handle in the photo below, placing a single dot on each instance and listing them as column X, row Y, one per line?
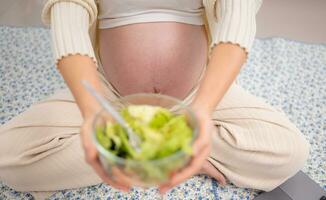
column 107, row 106
column 133, row 138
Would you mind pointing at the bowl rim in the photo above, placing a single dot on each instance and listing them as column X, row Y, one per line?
column 120, row 160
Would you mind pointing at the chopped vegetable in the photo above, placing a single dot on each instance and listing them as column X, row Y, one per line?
column 161, row 132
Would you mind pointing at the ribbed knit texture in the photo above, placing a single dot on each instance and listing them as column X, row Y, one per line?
column 69, row 30
column 230, row 21
column 254, row 145
column 237, row 22
column 116, row 13
column 89, row 5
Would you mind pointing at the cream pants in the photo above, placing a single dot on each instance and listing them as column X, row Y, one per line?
column 254, row 144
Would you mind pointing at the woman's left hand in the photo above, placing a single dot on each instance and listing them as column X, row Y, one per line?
column 201, row 150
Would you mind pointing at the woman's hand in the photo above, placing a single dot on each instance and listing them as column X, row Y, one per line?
column 224, row 65
column 120, row 181
column 201, row 150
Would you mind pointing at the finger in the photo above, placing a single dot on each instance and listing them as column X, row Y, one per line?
column 202, row 154
column 91, row 156
column 121, row 177
column 163, row 189
column 85, row 132
column 215, row 173
column 177, row 179
column 88, row 146
column 187, row 172
column 90, row 153
column 200, row 145
column 103, row 175
column 202, row 139
column 193, row 168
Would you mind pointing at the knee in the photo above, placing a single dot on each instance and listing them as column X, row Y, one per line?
column 298, row 154
column 260, row 158
column 25, row 155
column 292, row 160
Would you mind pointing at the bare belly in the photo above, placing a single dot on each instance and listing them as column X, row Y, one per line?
column 164, row 57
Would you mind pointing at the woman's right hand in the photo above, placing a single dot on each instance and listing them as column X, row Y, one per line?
column 74, row 69
column 91, row 154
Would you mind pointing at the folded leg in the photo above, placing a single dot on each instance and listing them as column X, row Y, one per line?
column 255, row 145
column 40, row 149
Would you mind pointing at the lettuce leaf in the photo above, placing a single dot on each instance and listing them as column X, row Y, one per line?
column 162, row 133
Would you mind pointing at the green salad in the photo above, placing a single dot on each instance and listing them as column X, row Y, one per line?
column 162, row 133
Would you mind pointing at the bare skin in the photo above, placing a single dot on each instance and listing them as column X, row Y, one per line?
column 165, row 58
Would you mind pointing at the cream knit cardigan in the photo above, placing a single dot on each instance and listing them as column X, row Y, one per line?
column 230, row 21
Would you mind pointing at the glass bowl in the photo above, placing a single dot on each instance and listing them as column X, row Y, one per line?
column 151, row 172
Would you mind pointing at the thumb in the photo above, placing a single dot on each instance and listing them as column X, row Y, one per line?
column 214, row 173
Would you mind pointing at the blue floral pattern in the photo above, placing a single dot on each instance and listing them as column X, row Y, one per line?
column 290, row 75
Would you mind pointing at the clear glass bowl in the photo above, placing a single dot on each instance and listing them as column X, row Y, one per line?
column 152, row 172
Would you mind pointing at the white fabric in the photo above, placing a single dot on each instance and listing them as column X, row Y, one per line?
column 254, row 145
column 89, row 5
column 69, row 30
column 236, row 22
column 113, row 13
column 229, row 21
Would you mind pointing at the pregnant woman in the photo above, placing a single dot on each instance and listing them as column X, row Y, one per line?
column 189, row 49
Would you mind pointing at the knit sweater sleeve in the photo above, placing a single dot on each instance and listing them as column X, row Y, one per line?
column 233, row 21
column 70, row 22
